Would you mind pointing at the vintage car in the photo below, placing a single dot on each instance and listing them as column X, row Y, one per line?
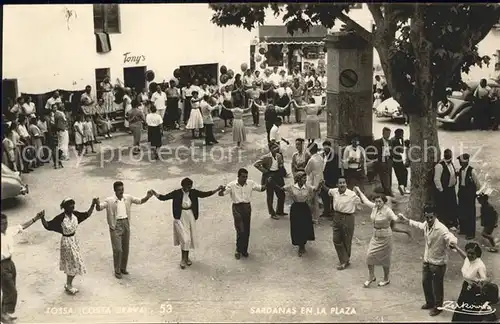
column 389, row 108
column 458, row 112
column 12, row 184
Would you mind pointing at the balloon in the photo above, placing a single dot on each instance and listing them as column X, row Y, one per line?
column 263, row 65
column 223, row 69
column 224, row 78
column 258, row 58
column 150, row 75
column 152, row 87
column 177, row 73
column 262, row 50
column 230, row 74
column 244, row 67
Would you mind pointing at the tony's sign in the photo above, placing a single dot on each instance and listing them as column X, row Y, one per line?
column 127, row 58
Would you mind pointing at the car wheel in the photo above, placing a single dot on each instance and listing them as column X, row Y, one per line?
column 444, row 110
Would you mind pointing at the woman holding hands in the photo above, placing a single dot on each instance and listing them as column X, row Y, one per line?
column 239, row 130
column 66, row 223
column 301, row 222
column 312, row 111
column 185, row 210
column 380, row 247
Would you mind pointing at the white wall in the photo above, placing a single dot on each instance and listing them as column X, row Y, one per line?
column 44, row 54
column 488, row 46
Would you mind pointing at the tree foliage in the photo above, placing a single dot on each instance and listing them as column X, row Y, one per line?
column 449, row 33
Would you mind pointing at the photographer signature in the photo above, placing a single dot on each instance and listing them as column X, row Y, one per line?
column 469, row 309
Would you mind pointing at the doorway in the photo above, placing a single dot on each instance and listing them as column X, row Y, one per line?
column 9, row 93
column 135, row 78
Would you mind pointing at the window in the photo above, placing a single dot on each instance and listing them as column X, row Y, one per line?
column 100, row 75
column 274, row 55
column 107, row 18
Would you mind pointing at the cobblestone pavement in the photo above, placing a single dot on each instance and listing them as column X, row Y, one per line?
column 273, row 284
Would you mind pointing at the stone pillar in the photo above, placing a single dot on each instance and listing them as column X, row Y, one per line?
column 349, row 89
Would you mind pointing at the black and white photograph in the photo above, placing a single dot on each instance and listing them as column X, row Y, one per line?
column 250, row 162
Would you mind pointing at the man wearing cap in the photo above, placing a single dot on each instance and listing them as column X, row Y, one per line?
column 468, row 185
column 445, row 180
column 118, row 209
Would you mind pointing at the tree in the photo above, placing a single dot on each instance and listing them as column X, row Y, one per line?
column 421, row 46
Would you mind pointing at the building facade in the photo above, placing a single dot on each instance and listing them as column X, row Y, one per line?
column 48, row 47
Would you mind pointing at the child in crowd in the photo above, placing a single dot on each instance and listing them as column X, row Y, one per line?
column 377, row 99
column 489, row 220
column 88, row 133
column 36, row 139
column 79, row 135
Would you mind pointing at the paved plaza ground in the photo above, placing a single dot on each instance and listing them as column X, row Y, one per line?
column 273, row 284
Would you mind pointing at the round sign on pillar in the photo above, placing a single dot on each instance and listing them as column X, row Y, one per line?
column 348, row 78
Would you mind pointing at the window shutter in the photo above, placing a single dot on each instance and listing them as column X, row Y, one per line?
column 112, row 18
column 98, row 18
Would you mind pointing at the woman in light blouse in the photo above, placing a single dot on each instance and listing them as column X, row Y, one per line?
column 380, row 247
column 299, row 158
column 474, row 273
column 301, row 222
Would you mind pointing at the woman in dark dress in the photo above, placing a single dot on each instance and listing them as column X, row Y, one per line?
column 471, row 303
column 154, row 122
column 227, row 101
column 185, row 210
column 172, row 114
column 66, row 223
column 301, row 223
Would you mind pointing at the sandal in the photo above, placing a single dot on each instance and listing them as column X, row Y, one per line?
column 369, row 282
column 71, row 291
column 384, row 283
column 183, row 264
column 342, row 266
column 189, row 262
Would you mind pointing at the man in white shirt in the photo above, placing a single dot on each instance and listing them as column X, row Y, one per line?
column 275, row 77
column 445, row 181
column 345, row 204
column 275, row 135
column 354, row 164
column 314, row 171
column 7, row 266
column 159, row 99
column 241, row 193
column 437, row 241
column 118, row 212
column 208, row 122
column 55, row 99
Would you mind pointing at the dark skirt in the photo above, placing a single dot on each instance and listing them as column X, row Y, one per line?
column 154, row 135
column 301, row 224
column 226, row 114
column 282, row 102
column 473, row 299
column 172, row 114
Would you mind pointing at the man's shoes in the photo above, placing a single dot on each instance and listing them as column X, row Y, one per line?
column 11, row 316
column 435, row 312
column 244, row 254
column 401, row 190
column 125, row 272
column 282, row 214
column 275, row 217
column 237, row 255
column 427, row 306
column 118, row 275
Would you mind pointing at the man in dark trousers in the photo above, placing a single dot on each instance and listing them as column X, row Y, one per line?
column 384, row 161
column 398, row 163
column 468, row 185
column 445, row 181
column 331, row 175
column 271, row 166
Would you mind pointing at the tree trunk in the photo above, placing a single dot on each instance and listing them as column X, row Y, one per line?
column 424, row 154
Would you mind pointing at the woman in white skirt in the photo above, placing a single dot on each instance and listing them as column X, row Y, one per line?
column 185, row 209
column 380, row 247
column 66, row 223
column 195, row 122
column 239, row 130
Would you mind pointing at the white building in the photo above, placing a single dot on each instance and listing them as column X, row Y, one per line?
column 48, row 47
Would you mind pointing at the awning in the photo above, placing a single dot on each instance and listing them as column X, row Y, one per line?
column 294, row 43
column 280, row 35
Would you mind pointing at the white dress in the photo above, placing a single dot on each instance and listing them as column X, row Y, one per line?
column 79, row 139
column 185, row 227
column 195, row 118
